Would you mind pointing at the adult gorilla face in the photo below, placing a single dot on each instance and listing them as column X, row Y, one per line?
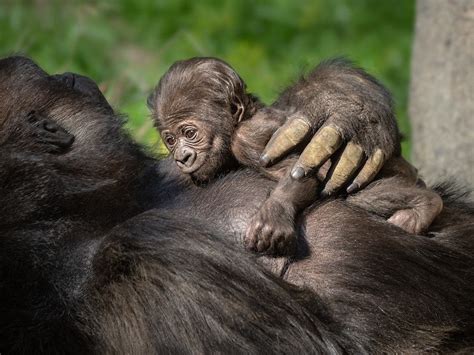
column 51, row 122
column 63, row 101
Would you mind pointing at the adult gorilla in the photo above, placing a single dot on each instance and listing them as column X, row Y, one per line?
column 80, row 274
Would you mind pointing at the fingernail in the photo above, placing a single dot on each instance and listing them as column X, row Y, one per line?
column 297, row 173
column 264, row 160
column 352, row 188
column 325, row 193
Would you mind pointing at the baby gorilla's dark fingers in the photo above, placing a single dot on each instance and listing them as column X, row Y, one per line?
column 265, row 239
column 369, row 171
column 252, row 235
column 349, row 162
column 321, row 148
column 293, row 132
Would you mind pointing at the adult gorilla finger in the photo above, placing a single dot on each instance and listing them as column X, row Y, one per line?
column 293, row 132
column 349, row 162
column 321, row 148
column 369, row 171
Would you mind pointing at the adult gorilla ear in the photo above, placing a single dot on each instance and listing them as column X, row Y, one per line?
column 237, row 109
column 50, row 135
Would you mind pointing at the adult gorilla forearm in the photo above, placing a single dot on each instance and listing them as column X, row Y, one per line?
column 337, row 103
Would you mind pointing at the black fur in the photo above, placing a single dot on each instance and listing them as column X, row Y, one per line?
column 84, row 270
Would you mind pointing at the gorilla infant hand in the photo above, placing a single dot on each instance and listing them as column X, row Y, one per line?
column 211, row 124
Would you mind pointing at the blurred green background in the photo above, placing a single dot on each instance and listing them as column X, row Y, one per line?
column 127, row 45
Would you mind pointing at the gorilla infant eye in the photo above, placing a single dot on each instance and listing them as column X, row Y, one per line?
column 190, row 133
column 170, row 140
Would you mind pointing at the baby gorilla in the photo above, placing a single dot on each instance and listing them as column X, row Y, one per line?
column 211, row 124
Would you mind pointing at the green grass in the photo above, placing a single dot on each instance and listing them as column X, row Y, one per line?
column 127, row 45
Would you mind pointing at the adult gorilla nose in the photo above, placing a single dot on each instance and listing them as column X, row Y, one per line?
column 84, row 85
column 185, row 157
column 68, row 78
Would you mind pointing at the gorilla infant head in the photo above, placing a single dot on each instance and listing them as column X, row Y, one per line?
column 197, row 105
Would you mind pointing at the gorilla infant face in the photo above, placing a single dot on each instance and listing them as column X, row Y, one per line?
column 196, row 106
column 198, row 148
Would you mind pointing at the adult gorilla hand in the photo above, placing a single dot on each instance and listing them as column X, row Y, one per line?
column 323, row 146
column 342, row 114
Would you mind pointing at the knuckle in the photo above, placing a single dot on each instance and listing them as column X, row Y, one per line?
column 267, row 231
column 262, row 245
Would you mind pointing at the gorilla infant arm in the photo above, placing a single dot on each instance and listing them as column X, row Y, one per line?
column 210, row 124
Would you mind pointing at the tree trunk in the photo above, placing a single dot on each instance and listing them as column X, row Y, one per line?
column 442, row 90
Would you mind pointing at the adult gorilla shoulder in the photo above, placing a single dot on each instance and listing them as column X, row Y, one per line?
column 79, row 274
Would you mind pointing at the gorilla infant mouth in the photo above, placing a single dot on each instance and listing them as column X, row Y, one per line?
column 194, row 167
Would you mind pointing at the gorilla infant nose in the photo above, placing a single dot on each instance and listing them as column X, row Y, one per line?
column 185, row 157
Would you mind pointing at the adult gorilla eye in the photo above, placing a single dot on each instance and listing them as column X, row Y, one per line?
column 170, row 140
column 50, row 135
column 191, row 133
column 50, row 127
